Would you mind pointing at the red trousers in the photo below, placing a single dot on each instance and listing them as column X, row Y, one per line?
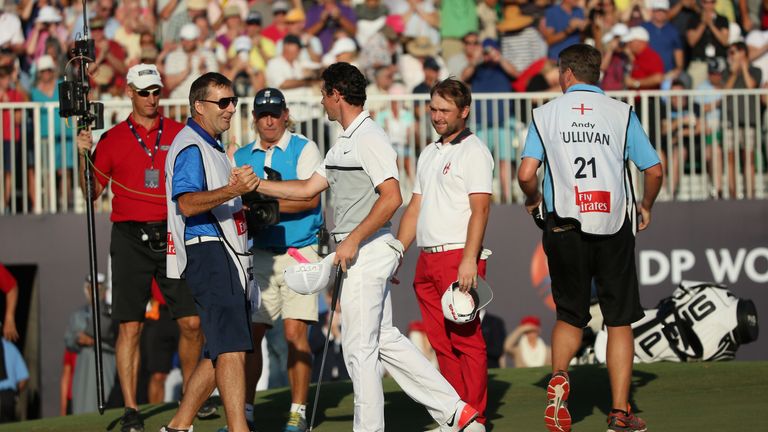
column 460, row 348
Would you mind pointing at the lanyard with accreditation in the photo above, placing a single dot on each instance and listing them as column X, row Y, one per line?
column 152, row 174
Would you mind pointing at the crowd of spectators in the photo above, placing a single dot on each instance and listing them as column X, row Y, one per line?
column 493, row 45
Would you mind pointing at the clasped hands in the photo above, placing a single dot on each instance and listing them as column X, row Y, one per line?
column 243, row 180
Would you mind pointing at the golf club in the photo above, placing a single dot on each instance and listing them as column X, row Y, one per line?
column 334, row 298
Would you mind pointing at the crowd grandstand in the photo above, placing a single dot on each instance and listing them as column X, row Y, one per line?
column 695, row 72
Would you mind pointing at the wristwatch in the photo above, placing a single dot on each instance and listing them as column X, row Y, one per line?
column 636, row 84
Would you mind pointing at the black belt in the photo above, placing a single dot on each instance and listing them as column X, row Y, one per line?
column 141, row 224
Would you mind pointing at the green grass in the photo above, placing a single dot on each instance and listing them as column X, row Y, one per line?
column 670, row 397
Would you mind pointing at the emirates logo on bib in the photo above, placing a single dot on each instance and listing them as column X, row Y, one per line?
column 240, row 223
column 593, row 201
column 171, row 250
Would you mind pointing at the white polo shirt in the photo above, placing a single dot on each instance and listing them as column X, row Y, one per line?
column 446, row 175
column 360, row 161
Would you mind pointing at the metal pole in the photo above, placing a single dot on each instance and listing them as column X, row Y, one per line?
column 95, row 296
column 334, row 300
column 91, row 227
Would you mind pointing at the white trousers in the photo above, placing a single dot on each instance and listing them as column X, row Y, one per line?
column 370, row 341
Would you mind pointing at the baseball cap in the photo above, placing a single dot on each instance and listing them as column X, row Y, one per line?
column 491, row 43
column 715, row 65
column 254, row 17
column 280, row 6
column 618, row 30
column 660, row 4
column 242, row 43
column 48, row 14
column 531, row 320
column 480, row 299
column 341, row 46
column 431, row 63
column 45, row 62
column 269, row 100
column 310, row 278
column 292, row 39
column 189, row 31
column 636, row 33
column 144, row 76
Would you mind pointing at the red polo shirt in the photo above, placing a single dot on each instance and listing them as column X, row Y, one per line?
column 7, row 281
column 119, row 156
column 11, row 95
column 647, row 63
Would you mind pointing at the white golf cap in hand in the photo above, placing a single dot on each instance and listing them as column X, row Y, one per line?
column 310, row 278
column 462, row 307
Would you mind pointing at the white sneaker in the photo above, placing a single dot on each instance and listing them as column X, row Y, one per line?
column 464, row 416
column 168, row 429
column 475, row 427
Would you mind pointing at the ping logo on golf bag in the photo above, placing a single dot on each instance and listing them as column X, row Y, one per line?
column 698, row 322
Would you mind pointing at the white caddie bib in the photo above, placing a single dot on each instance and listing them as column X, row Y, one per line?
column 584, row 136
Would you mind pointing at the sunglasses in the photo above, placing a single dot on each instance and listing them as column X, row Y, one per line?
column 146, row 93
column 223, row 103
column 473, row 42
column 272, row 100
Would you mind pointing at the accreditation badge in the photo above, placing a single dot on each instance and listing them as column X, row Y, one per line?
column 151, row 178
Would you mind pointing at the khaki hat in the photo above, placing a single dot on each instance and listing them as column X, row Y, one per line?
column 231, row 11
column 98, row 23
column 103, row 75
column 197, row 4
column 421, row 46
column 148, row 52
column 514, row 20
column 295, row 15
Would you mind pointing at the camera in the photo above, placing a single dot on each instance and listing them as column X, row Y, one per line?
column 262, row 210
column 73, row 95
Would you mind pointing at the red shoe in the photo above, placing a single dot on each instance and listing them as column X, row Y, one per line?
column 462, row 417
column 622, row 421
column 556, row 415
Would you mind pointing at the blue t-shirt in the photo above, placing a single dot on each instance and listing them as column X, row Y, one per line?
column 491, row 78
column 38, row 96
column 189, row 176
column 14, row 367
column 558, row 19
column 665, row 41
column 638, row 149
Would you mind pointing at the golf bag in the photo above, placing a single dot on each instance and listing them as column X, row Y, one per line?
column 698, row 322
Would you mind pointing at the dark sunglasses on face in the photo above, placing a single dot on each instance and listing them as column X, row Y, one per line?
column 223, row 103
column 472, row 42
column 146, row 93
column 272, row 100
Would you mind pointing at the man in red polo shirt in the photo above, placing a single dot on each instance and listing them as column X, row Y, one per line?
column 447, row 217
column 647, row 65
column 132, row 154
